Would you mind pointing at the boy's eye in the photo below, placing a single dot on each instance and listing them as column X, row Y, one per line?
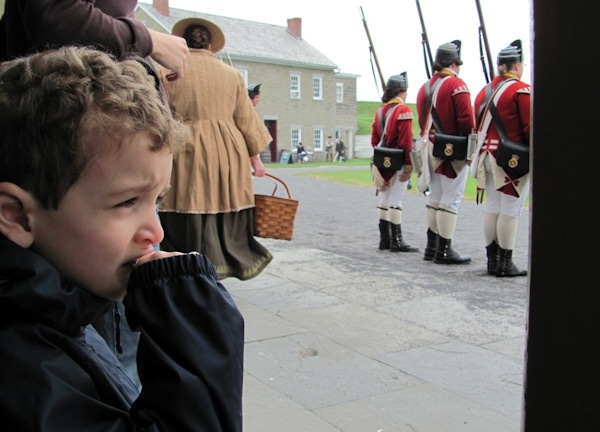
column 128, row 203
column 160, row 199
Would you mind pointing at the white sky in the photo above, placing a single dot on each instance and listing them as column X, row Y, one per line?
column 336, row 29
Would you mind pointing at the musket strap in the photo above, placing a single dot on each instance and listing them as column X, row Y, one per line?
column 383, row 124
column 431, row 93
column 491, row 106
column 488, row 95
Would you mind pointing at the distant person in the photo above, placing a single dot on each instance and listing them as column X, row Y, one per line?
column 86, row 146
column 394, row 122
column 301, row 153
column 340, row 150
column 329, row 149
column 451, row 103
column 210, row 205
column 505, row 194
column 254, row 93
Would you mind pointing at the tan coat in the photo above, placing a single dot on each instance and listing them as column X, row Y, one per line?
column 212, row 174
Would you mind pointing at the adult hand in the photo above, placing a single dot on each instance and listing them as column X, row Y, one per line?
column 170, row 52
column 257, row 166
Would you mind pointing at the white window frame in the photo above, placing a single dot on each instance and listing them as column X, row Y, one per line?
column 339, row 92
column 295, row 137
column 317, row 84
column 244, row 73
column 295, row 86
column 318, row 139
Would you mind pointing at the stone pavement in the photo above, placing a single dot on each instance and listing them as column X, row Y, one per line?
column 343, row 337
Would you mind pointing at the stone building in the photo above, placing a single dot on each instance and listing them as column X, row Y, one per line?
column 304, row 97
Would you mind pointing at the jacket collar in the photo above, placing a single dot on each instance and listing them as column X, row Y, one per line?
column 32, row 290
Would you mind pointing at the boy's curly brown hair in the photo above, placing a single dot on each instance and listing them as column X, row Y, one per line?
column 61, row 107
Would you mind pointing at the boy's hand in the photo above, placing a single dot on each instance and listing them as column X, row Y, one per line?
column 155, row 256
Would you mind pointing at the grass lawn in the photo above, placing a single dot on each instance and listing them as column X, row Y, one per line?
column 366, row 113
column 360, row 177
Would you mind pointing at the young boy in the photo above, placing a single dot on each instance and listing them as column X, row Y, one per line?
column 85, row 155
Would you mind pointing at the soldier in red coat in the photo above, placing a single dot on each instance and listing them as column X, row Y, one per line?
column 449, row 96
column 505, row 195
column 395, row 118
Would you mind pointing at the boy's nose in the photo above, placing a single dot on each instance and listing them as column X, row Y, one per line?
column 157, row 230
column 152, row 230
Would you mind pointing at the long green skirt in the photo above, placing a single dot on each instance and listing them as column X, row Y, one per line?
column 225, row 238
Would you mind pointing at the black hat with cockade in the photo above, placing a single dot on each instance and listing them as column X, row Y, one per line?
column 254, row 90
column 449, row 53
column 511, row 54
column 399, row 81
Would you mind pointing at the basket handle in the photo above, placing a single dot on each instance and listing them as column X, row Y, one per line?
column 275, row 180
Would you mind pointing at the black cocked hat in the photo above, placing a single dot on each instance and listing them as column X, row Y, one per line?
column 449, row 53
column 511, row 54
column 254, row 90
column 399, row 81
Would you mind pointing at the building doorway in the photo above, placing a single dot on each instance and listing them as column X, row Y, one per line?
column 272, row 147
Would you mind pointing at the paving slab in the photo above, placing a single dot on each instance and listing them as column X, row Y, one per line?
column 488, row 378
column 266, row 410
column 366, row 331
column 421, row 408
column 316, row 372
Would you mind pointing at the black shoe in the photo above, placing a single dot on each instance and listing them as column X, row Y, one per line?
column 397, row 243
column 506, row 267
column 446, row 255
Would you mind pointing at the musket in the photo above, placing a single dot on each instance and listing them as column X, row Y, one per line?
column 488, row 70
column 425, row 42
column 372, row 50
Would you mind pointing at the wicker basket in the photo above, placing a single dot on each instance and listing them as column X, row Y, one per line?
column 274, row 216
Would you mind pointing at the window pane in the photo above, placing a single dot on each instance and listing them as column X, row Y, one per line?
column 317, row 88
column 296, row 138
column 244, row 73
column 318, row 139
column 339, row 92
column 295, row 86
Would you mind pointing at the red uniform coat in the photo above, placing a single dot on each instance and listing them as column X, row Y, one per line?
column 398, row 132
column 454, row 109
column 514, row 108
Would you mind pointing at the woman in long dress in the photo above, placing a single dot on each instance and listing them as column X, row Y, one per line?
column 210, row 205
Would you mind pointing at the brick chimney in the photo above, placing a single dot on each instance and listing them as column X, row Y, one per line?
column 295, row 27
column 162, row 6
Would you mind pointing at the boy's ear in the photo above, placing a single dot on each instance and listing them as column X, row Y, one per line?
column 15, row 213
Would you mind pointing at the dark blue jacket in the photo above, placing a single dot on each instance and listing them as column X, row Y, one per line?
column 57, row 373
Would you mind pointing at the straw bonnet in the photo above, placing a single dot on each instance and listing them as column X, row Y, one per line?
column 216, row 34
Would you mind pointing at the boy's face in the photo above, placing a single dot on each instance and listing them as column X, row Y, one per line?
column 107, row 219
